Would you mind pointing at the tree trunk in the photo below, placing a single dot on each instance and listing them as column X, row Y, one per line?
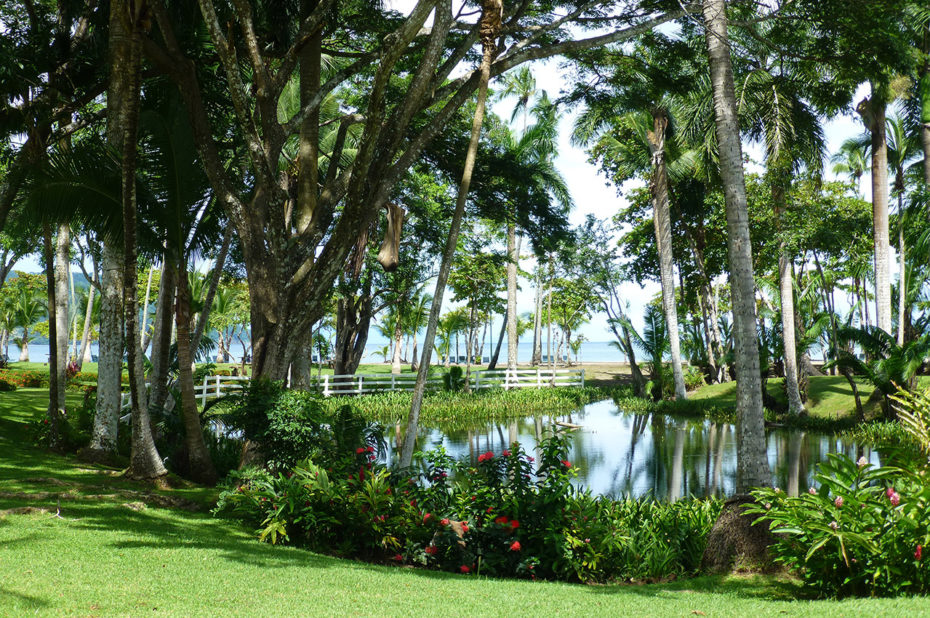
column 752, row 460
column 62, row 267
column 902, row 268
column 500, row 340
column 55, row 412
column 110, row 357
column 923, row 94
column 872, row 111
column 398, row 339
column 663, row 230
column 536, row 359
column 353, row 318
column 126, row 21
column 200, row 466
column 513, row 254
column 84, row 354
column 215, row 276
column 161, row 340
column 786, row 298
column 492, row 11
column 143, row 339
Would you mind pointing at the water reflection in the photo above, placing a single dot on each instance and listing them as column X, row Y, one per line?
column 620, row 453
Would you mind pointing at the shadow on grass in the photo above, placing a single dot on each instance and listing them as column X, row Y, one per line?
column 35, row 602
column 757, row 587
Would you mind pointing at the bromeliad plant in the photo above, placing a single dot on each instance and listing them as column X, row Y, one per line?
column 862, row 533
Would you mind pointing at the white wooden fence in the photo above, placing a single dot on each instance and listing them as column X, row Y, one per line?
column 214, row 387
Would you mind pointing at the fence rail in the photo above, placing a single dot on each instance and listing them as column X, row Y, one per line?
column 214, row 387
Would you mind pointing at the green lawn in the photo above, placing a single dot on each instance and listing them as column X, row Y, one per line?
column 103, row 554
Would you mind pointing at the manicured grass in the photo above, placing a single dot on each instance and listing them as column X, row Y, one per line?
column 829, row 397
column 99, row 556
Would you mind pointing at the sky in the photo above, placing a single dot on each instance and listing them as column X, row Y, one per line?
column 591, row 192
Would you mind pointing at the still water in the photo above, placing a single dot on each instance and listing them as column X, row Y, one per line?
column 619, row 453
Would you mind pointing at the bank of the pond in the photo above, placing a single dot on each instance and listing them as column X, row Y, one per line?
column 106, row 553
column 460, row 408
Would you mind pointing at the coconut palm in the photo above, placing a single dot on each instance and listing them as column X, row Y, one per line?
column 852, row 160
column 28, row 308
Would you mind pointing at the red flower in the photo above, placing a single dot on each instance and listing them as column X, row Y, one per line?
column 566, row 463
column 515, row 546
column 444, row 521
column 370, row 449
column 464, row 527
column 432, row 550
column 464, row 569
column 918, row 553
column 501, row 520
column 514, row 524
column 490, row 508
column 397, row 557
column 485, row 457
column 506, row 453
column 360, row 450
column 426, row 517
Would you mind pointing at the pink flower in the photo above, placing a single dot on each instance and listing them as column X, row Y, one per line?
column 889, row 491
column 895, row 498
column 863, row 462
column 838, row 502
column 464, row 569
column 515, row 546
column 918, row 553
column 426, row 517
column 812, row 491
column 834, row 525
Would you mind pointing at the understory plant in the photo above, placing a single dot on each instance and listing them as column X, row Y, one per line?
column 862, row 533
column 508, row 515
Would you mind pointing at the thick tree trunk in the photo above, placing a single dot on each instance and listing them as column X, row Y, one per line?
column 752, row 460
column 353, row 318
column 786, row 298
column 126, row 21
column 492, row 11
column 200, row 466
column 513, row 254
column 110, row 356
column 872, row 111
column 55, row 413
column 663, row 230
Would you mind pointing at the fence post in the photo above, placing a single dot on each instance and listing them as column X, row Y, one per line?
column 326, row 385
column 203, row 395
column 477, row 380
column 392, row 382
column 219, row 390
column 538, row 377
column 361, row 387
column 582, row 378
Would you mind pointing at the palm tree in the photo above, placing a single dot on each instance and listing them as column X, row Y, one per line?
column 490, row 25
column 416, row 319
column 852, row 160
column 522, row 85
column 27, row 309
column 643, row 142
column 752, row 461
column 654, row 342
column 772, row 97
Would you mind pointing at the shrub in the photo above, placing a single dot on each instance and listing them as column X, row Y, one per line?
column 6, row 386
column 506, row 516
column 24, row 378
column 694, row 377
column 862, row 533
column 288, row 426
column 453, row 380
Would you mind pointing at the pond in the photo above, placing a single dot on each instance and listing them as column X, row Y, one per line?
column 619, row 453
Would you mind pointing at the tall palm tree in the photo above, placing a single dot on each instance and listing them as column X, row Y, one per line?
column 643, row 142
column 522, row 85
column 772, row 98
column 416, row 318
column 752, row 459
column 490, row 25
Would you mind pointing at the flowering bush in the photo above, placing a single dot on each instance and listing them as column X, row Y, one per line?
column 6, row 386
column 24, row 378
column 862, row 533
column 506, row 516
